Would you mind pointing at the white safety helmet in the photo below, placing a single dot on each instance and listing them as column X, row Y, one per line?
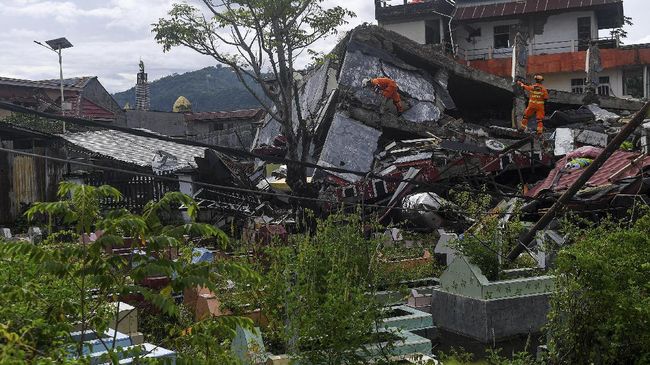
column 365, row 82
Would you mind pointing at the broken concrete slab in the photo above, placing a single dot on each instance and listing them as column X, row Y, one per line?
column 350, row 145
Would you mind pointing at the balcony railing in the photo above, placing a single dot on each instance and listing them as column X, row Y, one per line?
column 535, row 49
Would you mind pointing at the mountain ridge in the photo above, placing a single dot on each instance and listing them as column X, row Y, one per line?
column 208, row 89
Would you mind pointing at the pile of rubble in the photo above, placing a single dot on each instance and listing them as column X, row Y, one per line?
column 456, row 128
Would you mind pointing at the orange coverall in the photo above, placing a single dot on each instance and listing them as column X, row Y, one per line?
column 538, row 95
column 389, row 90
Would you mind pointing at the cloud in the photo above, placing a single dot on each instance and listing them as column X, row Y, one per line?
column 110, row 37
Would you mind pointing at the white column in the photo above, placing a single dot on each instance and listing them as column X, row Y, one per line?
column 646, row 83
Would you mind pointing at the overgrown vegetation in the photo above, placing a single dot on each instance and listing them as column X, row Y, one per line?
column 317, row 293
column 49, row 290
column 600, row 311
column 492, row 235
column 261, row 41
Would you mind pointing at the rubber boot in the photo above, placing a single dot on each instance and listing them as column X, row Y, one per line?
column 540, row 128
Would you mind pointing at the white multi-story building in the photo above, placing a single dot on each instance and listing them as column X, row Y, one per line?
column 481, row 33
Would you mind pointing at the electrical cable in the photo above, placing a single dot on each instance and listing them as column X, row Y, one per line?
column 244, row 190
column 236, row 152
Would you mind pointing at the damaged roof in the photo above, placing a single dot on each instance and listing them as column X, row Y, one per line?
column 75, row 83
column 136, row 150
column 224, row 115
column 619, row 166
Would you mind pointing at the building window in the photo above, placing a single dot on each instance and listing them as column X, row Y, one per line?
column 504, row 36
column 217, row 127
column 584, row 33
column 633, row 83
column 603, row 86
column 578, row 86
column 432, row 32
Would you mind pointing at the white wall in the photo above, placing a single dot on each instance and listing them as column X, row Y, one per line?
column 562, row 81
column 412, row 30
column 479, row 45
column 558, row 28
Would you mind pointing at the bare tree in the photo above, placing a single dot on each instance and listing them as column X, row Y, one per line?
column 260, row 40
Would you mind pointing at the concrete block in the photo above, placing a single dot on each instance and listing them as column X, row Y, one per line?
column 137, row 338
column 35, row 235
column 5, row 233
column 443, row 245
column 278, row 360
column 127, row 318
column 248, row 346
column 419, row 300
column 489, row 320
column 408, row 319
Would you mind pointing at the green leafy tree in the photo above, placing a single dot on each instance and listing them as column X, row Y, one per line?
column 260, row 40
column 77, row 284
column 318, row 294
column 491, row 236
column 600, row 311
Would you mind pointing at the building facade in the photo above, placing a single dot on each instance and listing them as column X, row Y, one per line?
column 86, row 97
column 481, row 33
column 235, row 129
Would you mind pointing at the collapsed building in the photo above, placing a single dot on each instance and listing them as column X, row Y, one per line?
column 456, row 127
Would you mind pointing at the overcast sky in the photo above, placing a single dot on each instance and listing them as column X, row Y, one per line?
column 110, row 37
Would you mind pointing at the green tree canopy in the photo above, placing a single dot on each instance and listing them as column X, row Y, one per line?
column 261, row 40
column 601, row 310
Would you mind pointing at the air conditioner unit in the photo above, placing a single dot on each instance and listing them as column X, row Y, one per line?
column 66, row 106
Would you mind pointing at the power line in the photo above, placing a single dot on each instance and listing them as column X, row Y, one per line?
column 245, row 154
column 244, row 190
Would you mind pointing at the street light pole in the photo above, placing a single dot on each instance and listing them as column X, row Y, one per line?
column 57, row 45
column 61, row 79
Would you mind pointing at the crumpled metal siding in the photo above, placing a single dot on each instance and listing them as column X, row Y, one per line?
column 615, row 163
column 134, row 149
column 26, row 189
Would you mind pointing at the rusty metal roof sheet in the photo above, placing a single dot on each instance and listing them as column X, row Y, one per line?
column 225, row 115
column 75, row 83
column 518, row 7
column 133, row 149
column 619, row 166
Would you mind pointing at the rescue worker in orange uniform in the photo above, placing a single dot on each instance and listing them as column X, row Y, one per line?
column 389, row 89
column 537, row 96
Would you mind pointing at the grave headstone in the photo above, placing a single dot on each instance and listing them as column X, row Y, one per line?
column 248, row 346
column 35, row 235
column 5, row 233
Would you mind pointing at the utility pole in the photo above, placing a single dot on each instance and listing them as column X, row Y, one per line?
column 57, row 45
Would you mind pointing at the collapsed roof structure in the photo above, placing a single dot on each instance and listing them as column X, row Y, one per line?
column 455, row 125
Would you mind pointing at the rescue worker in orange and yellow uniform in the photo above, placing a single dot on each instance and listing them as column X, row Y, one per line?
column 537, row 96
column 389, row 89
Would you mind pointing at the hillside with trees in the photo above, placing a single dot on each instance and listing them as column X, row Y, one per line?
column 208, row 89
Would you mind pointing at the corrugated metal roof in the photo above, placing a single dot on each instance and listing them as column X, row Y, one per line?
column 518, row 7
column 225, row 115
column 76, row 83
column 134, row 149
column 618, row 161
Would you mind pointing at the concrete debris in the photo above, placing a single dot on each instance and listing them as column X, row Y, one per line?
column 455, row 128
